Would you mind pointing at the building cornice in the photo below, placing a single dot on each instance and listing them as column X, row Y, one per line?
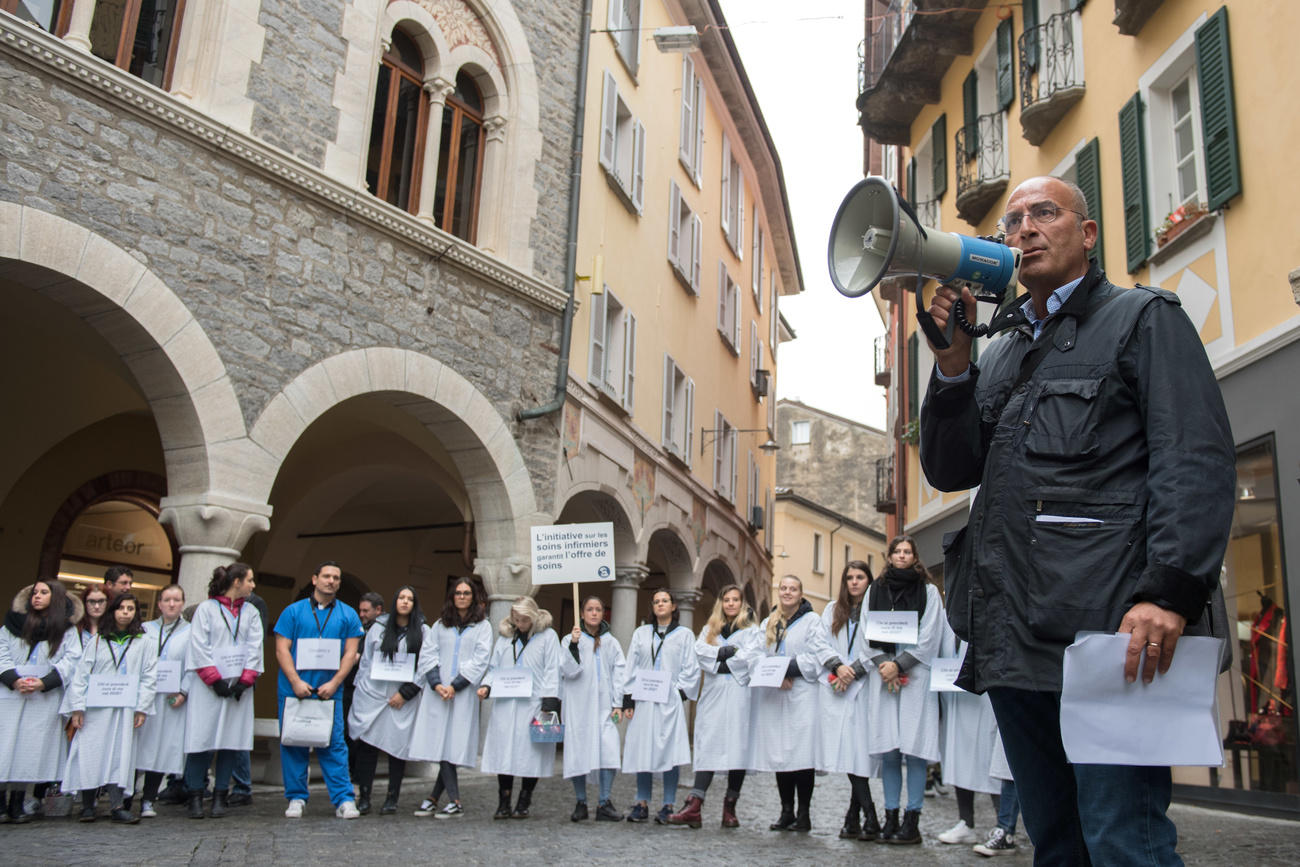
column 787, row 495
column 82, row 70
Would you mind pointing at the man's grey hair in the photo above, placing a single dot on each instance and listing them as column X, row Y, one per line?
column 1080, row 200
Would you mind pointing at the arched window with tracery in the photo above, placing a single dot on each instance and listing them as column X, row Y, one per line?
column 460, row 160
column 397, row 127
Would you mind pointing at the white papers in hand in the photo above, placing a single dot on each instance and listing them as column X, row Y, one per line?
column 1171, row 721
column 769, row 671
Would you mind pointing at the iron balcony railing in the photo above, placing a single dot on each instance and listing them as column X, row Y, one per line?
column 981, row 152
column 885, row 499
column 882, row 359
column 928, row 213
column 1047, row 60
column 876, row 50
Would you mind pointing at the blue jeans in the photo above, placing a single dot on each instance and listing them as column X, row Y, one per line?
column 1008, row 807
column 241, row 775
column 606, row 785
column 1081, row 814
column 891, row 777
column 645, row 780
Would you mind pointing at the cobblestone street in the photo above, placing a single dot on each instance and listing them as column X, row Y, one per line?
column 261, row 835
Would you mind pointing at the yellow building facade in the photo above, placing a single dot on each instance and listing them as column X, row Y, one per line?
column 1176, row 118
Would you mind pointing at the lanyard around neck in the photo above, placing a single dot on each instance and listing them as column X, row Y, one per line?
column 663, row 638
column 234, row 633
column 329, row 612
column 162, row 642
column 120, row 666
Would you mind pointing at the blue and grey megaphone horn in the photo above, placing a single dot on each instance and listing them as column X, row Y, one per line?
column 877, row 235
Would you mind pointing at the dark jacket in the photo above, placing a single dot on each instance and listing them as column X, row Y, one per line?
column 1122, row 428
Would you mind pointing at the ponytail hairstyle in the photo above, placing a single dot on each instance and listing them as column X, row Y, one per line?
column 718, row 620
column 596, row 636
column 50, row 624
column 414, row 629
column 844, row 603
column 108, row 623
column 776, row 619
column 224, row 576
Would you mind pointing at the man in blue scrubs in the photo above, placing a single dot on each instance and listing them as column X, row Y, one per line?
column 316, row 643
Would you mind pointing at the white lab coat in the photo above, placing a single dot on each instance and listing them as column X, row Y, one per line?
column 968, row 731
column 371, row 719
column 722, row 731
column 590, row 690
column 508, row 748
column 785, row 720
column 908, row 720
column 102, row 752
column 160, row 745
column 447, row 731
column 212, row 722
column 842, row 734
column 657, row 739
column 33, row 748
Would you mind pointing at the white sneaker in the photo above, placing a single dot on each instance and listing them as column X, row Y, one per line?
column 961, row 833
column 146, row 810
column 451, row 811
column 348, row 810
column 294, row 810
column 427, row 808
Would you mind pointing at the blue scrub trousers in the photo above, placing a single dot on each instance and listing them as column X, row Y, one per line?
column 333, row 760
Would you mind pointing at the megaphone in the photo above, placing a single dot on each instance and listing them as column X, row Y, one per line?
column 876, row 234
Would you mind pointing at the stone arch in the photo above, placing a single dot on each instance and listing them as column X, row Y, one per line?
column 474, row 434
column 174, row 362
column 425, row 31
column 668, row 543
column 610, row 504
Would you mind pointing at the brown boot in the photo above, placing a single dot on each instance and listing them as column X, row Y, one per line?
column 690, row 814
column 729, row 819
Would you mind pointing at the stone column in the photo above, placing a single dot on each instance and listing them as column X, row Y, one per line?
column 686, row 600
column 212, row 531
column 627, row 581
column 78, row 35
column 493, row 198
column 505, row 579
column 438, row 90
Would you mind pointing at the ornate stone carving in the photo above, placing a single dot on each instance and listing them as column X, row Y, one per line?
column 461, row 25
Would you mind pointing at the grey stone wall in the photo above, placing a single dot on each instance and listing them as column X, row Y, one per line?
column 837, row 467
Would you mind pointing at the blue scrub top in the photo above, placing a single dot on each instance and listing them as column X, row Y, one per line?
column 297, row 621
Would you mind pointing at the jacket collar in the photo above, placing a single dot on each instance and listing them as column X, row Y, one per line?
column 1076, row 306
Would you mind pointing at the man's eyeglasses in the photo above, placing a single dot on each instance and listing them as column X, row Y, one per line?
column 1042, row 214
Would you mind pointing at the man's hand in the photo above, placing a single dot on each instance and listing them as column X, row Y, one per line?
column 955, row 360
column 301, row 688
column 1154, row 636
column 327, row 689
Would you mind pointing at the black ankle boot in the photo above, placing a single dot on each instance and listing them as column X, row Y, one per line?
column 363, row 801
column 786, row 820
column 16, row 814
column 890, row 831
column 870, row 824
column 218, row 803
column 803, row 821
column 390, row 804
column 851, row 828
column 196, row 805
column 909, row 832
column 521, row 807
column 503, row 805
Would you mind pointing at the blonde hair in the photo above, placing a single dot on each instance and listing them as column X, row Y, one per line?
column 525, row 606
column 717, row 620
column 776, row 620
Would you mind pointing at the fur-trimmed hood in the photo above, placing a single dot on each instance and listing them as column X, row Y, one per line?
column 18, row 610
column 540, row 616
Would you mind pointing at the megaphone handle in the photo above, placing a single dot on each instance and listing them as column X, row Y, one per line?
column 938, row 339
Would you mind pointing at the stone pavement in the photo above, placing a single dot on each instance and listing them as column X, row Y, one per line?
column 260, row 834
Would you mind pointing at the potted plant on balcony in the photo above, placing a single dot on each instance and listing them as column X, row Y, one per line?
column 1180, row 220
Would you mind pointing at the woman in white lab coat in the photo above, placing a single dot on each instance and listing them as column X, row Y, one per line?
column 161, row 747
column 526, row 642
column 722, row 713
column 785, row 732
column 968, row 734
column 446, row 729
column 225, row 655
column 39, row 650
column 903, row 717
column 842, row 706
column 592, row 671
column 657, row 741
column 384, row 709
column 102, row 752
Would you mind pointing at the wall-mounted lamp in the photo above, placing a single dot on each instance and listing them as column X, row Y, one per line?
column 684, row 38
column 597, row 276
column 770, row 446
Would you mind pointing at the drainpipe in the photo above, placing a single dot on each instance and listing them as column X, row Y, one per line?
column 571, row 255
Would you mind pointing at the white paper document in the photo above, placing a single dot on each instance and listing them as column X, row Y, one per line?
column 893, row 627
column 318, row 654
column 1171, row 721
column 769, row 671
column 943, row 673
column 651, row 686
column 169, row 676
column 400, row 669
column 112, row 690
column 513, row 683
column 230, row 660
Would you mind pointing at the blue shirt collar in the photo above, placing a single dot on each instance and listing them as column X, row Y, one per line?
column 1055, row 302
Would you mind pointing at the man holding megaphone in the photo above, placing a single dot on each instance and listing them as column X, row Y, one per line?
column 1097, row 435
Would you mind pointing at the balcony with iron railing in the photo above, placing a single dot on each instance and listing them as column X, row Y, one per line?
column 1051, row 76
column 982, row 171
column 882, row 354
column 1130, row 15
column 909, row 46
column 886, row 501
column 928, row 213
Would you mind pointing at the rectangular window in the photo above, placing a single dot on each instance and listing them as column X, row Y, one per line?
column 733, row 200
column 751, row 488
column 817, row 565
column 624, row 25
column 622, row 147
column 678, row 411
column 728, row 309
column 755, row 354
column 612, row 354
column 769, row 529
column 724, row 457
column 684, row 239
column 690, row 144
column 756, row 275
column 774, row 318
column 800, row 433
column 848, row 554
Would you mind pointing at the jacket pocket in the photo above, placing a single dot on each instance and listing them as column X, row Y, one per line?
column 1063, row 423
column 958, row 582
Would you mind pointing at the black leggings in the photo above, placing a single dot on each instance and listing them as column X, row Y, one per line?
column 966, row 805
column 152, row 783
column 447, row 781
column 861, row 792
column 787, row 782
column 368, row 760
column 703, row 779
column 505, row 782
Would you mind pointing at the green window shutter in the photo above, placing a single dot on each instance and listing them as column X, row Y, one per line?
column 1087, row 171
column 1032, row 45
column 939, row 156
column 913, row 387
column 911, row 182
column 1218, row 121
column 970, row 113
column 1137, row 227
column 1006, row 65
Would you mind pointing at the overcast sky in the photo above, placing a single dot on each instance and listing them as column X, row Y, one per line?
column 802, row 59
